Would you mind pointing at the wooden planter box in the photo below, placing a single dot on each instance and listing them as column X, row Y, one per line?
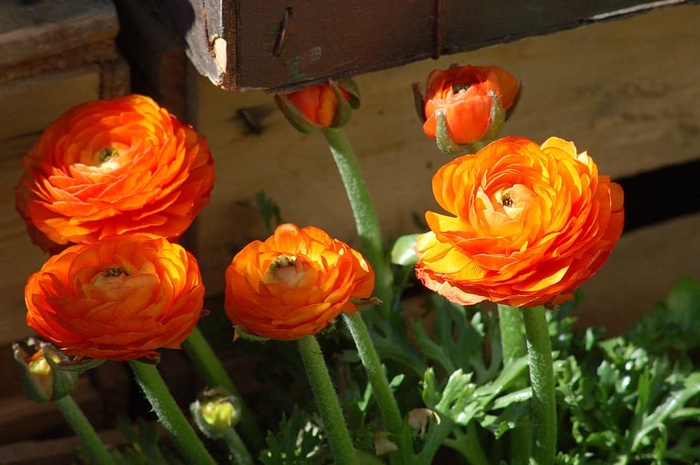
column 282, row 44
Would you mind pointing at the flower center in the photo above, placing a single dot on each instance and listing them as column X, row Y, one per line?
column 457, row 88
column 106, row 154
column 288, row 270
column 114, row 272
column 110, row 278
column 105, row 160
column 506, row 200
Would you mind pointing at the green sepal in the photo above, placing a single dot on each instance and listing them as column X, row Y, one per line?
column 444, row 140
column 240, row 333
column 362, row 304
column 351, row 87
column 345, row 107
column 403, row 252
column 81, row 365
column 497, row 117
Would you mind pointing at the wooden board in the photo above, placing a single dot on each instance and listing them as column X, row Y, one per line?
column 248, row 44
column 30, row 31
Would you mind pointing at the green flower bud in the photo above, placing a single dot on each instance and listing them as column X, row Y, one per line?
column 43, row 378
column 215, row 411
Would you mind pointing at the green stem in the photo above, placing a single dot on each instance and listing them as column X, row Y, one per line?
column 82, row 427
column 380, row 385
column 169, row 414
column 544, row 408
column 237, row 448
column 208, row 364
column 327, row 402
column 511, row 324
column 365, row 216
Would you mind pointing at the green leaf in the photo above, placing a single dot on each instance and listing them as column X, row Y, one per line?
column 675, row 401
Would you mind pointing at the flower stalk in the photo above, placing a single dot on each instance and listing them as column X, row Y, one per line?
column 511, row 325
column 363, row 211
column 169, row 414
column 236, row 447
column 327, row 402
column 208, row 364
column 544, row 411
column 380, row 386
column 367, row 226
column 94, row 446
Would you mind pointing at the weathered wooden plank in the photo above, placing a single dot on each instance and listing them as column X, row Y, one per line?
column 282, row 44
column 32, row 30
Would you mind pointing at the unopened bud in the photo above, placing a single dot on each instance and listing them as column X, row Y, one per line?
column 215, row 411
column 44, row 380
column 326, row 105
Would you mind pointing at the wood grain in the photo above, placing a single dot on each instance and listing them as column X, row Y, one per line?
column 29, row 31
column 285, row 44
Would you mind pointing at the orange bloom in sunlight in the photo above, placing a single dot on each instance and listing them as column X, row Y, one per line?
column 117, row 299
column 295, row 283
column 530, row 224
column 112, row 167
column 472, row 99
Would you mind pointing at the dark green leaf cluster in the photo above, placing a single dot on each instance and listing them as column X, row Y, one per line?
column 632, row 399
column 627, row 400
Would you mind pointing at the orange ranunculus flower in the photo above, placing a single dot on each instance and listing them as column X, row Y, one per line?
column 121, row 298
column 322, row 106
column 530, row 224
column 112, row 167
column 295, row 283
column 473, row 100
